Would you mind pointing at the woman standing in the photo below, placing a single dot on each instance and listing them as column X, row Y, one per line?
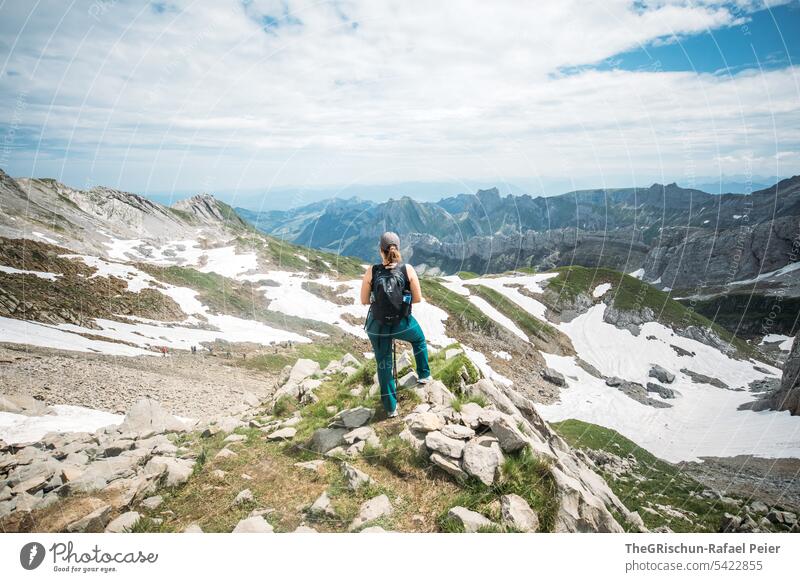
column 389, row 288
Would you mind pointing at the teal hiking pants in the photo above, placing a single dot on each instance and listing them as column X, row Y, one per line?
column 381, row 337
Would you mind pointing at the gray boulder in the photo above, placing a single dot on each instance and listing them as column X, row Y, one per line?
column 93, row 522
column 518, row 514
column 371, row 510
column 448, row 465
column 447, row 446
column 354, row 477
column 662, row 391
column 325, row 439
column 147, row 417
column 470, row 520
column 123, row 523
column 482, row 460
column 458, row 431
column 661, row 374
column 510, row 437
column 255, row 524
column 353, row 417
column 322, row 506
column 554, row 377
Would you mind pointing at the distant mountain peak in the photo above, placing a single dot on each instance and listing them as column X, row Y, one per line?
column 207, row 208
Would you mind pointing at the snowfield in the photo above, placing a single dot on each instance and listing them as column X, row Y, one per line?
column 703, row 419
column 18, row 428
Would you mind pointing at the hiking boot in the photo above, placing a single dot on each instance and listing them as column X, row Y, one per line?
column 427, row 380
column 393, row 413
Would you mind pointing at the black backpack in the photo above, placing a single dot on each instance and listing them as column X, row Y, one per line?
column 389, row 290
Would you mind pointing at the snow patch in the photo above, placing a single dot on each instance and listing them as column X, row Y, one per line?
column 40, row 274
column 18, row 428
column 601, row 290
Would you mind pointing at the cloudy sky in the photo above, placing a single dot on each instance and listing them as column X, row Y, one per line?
column 239, row 96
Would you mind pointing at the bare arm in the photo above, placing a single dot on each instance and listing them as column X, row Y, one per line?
column 366, row 286
column 413, row 281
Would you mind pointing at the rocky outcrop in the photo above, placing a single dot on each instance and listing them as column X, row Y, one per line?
column 787, row 397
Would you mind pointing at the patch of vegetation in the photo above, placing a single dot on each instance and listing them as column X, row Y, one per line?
column 532, row 326
column 663, row 483
column 463, row 313
column 461, row 400
column 275, row 361
column 466, row 275
column 449, row 371
column 631, row 294
column 523, row 474
column 364, row 375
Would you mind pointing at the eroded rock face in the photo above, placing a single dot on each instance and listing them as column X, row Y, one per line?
column 787, row 396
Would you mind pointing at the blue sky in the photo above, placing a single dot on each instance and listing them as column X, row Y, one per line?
column 259, row 98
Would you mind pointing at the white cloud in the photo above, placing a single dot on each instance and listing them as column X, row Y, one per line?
column 332, row 92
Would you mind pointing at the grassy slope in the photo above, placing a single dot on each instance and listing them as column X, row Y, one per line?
column 664, row 483
column 630, row 294
column 464, row 314
column 231, row 297
column 533, row 327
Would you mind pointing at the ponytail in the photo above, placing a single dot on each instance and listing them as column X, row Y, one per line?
column 393, row 255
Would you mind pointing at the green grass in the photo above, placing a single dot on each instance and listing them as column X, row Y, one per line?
column 465, row 315
column 522, row 473
column 324, row 353
column 631, row 294
column 461, row 400
column 532, row 326
column 449, row 371
column 664, row 483
column 466, row 275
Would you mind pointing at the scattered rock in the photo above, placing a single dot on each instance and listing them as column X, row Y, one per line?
column 452, row 353
column 147, row 417
column 256, row 524
column 282, row 434
column 510, row 437
column 613, row 381
column 554, row 377
column 322, row 506
column 304, row 529
column 662, row 391
column 225, row 454
column 355, row 478
column 661, row 374
column 153, row 502
column 193, row 528
column 94, row 522
column 449, row 465
column 426, row 422
column 363, row 433
column 703, row 379
column 325, row 439
column 123, row 523
column 447, row 446
column 482, row 460
column 518, row 514
column 458, row 431
column 353, row 417
column 470, row 520
column 371, row 510
column 244, row 497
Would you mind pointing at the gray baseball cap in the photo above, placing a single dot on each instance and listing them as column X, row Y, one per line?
column 388, row 239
